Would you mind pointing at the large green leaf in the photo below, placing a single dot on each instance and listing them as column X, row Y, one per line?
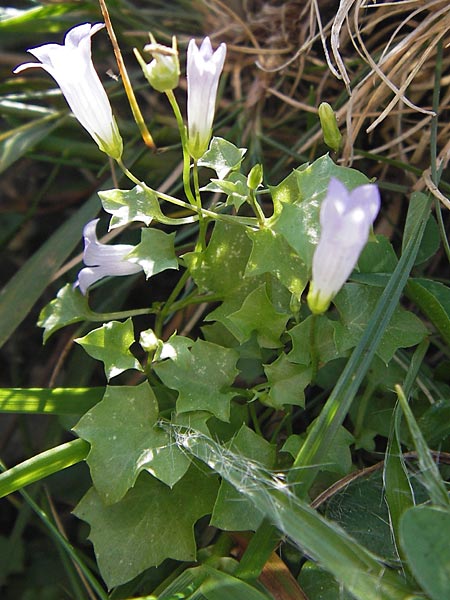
column 201, row 372
column 151, row 523
column 424, row 536
column 124, row 441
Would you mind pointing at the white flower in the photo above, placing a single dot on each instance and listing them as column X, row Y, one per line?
column 204, row 68
column 102, row 260
column 72, row 68
column 345, row 219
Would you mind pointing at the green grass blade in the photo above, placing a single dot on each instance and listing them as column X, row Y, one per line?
column 42, row 465
column 56, row 401
column 428, row 469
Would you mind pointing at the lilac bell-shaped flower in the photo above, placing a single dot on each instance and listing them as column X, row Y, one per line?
column 102, row 260
column 203, row 70
column 72, row 68
column 345, row 219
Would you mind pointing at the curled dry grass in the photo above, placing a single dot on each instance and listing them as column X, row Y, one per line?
column 374, row 62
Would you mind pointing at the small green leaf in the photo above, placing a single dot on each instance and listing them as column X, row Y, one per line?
column 356, row 303
column 257, row 314
column 110, row 343
column 324, row 340
column 127, row 206
column 201, row 372
column 155, row 253
column 222, row 156
column 424, row 535
column 287, row 383
column 234, row 185
column 69, row 306
column 151, row 523
column 433, row 299
column 139, row 204
column 272, row 254
column 232, row 511
column 124, row 441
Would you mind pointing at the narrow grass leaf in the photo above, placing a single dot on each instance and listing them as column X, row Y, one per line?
column 42, row 465
column 428, row 468
column 56, row 401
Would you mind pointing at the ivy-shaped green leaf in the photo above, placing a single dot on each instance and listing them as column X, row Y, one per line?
column 232, row 511
column 356, row 304
column 272, row 254
column 155, row 252
column 139, row 204
column 151, row 523
column 287, row 383
column 222, row 156
column 110, row 343
column 201, row 372
column 235, row 186
column 127, row 206
column 124, row 441
column 258, row 314
column 69, row 306
column 220, row 268
column 323, row 337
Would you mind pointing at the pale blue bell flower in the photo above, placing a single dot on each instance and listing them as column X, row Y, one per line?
column 71, row 66
column 203, row 71
column 103, row 260
column 345, row 219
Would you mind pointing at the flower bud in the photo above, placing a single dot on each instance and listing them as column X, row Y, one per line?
column 255, row 177
column 163, row 71
column 331, row 134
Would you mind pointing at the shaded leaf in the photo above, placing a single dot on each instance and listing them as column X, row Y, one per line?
column 433, row 299
column 424, row 535
column 355, row 304
column 257, row 314
column 324, row 339
column 151, row 523
column 69, row 306
column 287, row 383
column 272, row 254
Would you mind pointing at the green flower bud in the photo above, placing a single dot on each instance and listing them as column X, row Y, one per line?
column 163, row 71
column 331, row 134
column 255, row 177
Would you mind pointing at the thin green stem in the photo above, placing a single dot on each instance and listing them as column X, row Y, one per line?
column 186, row 157
column 256, row 208
column 201, row 242
column 313, row 348
column 168, row 306
column 250, row 222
